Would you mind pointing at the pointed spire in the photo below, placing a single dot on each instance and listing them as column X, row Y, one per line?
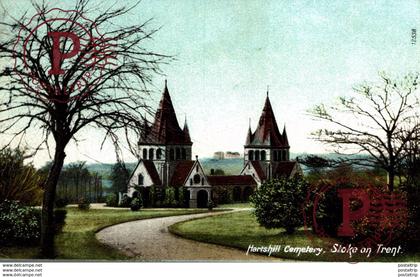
column 249, row 135
column 267, row 132
column 268, row 90
column 284, row 135
column 186, row 130
column 165, row 128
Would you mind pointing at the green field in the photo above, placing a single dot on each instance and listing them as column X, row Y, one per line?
column 235, row 205
column 240, row 229
column 77, row 241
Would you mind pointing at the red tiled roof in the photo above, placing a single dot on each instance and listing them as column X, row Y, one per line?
column 151, row 169
column 267, row 132
column 231, row 180
column 181, row 173
column 283, row 169
column 259, row 170
column 165, row 129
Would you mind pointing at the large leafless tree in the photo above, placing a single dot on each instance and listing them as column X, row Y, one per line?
column 380, row 120
column 65, row 70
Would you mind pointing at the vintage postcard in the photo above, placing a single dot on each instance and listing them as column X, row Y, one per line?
column 272, row 132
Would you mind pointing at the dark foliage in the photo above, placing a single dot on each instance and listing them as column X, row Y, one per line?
column 19, row 181
column 279, row 203
column 119, row 176
column 125, row 201
column 61, row 202
column 20, row 225
column 222, row 195
column 59, row 220
column 136, row 204
column 112, row 200
column 84, row 204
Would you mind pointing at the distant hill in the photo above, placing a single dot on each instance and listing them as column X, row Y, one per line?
column 104, row 169
column 229, row 166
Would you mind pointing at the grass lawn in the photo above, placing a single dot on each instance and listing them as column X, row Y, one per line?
column 77, row 241
column 240, row 229
column 235, row 205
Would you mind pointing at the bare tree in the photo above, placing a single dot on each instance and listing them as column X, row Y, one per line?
column 70, row 72
column 380, row 121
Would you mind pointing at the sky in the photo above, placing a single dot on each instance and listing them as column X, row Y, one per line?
column 229, row 52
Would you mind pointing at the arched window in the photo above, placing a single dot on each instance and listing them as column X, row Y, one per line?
column 197, row 179
column 184, row 154
column 190, row 182
column 144, row 154
column 251, row 155
column 263, row 155
column 283, row 155
column 178, row 153
column 202, row 181
column 151, row 154
column 140, row 180
column 159, row 154
column 257, row 155
column 171, row 154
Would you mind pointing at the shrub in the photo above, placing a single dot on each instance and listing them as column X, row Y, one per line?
column 125, row 201
column 111, row 200
column 19, row 181
column 210, row 205
column 170, row 200
column 184, row 197
column 278, row 203
column 84, row 204
column 59, row 220
column 20, row 225
column 136, row 204
column 222, row 195
column 61, row 203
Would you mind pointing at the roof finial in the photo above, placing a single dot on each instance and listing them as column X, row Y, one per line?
column 249, row 123
column 268, row 89
column 166, row 83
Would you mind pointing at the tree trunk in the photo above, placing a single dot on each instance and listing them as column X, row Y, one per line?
column 47, row 219
column 391, row 177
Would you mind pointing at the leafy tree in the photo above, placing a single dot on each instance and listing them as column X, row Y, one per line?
column 219, row 172
column 119, row 176
column 103, row 85
column 380, row 120
column 19, row 181
column 279, row 203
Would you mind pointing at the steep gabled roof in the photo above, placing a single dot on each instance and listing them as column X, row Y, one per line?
column 259, row 170
column 182, row 169
column 151, row 170
column 231, row 180
column 267, row 132
column 165, row 128
column 284, row 169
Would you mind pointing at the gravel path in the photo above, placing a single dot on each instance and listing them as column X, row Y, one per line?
column 150, row 240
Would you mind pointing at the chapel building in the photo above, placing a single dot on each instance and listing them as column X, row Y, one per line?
column 166, row 161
